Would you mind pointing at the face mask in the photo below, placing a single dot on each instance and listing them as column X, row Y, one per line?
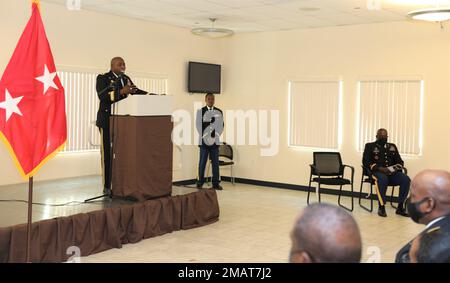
column 413, row 209
column 382, row 141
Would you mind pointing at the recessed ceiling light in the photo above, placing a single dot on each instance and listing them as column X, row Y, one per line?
column 431, row 15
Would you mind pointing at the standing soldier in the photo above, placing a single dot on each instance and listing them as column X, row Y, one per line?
column 111, row 88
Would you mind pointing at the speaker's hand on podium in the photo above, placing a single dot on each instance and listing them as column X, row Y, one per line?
column 134, row 89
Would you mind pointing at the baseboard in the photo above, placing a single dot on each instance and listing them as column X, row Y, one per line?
column 285, row 186
column 185, row 182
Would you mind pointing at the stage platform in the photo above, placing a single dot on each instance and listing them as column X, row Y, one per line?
column 96, row 226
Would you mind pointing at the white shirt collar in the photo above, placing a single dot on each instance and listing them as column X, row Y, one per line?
column 121, row 79
column 435, row 221
column 210, row 108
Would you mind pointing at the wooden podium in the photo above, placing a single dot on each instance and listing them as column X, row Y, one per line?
column 141, row 131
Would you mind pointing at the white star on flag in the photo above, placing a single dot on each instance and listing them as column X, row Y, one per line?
column 10, row 105
column 48, row 79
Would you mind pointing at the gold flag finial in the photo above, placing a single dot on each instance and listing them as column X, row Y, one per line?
column 37, row 2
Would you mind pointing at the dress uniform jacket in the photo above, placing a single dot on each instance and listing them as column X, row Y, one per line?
column 205, row 125
column 108, row 91
column 443, row 225
column 376, row 156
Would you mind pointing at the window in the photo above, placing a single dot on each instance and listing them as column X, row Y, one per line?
column 314, row 114
column 395, row 105
column 82, row 105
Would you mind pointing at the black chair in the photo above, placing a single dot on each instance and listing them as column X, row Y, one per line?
column 329, row 170
column 225, row 151
column 367, row 177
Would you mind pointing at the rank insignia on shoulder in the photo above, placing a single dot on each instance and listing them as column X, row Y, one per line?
column 433, row 230
column 392, row 148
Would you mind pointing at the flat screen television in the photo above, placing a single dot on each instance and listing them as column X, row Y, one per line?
column 204, row 78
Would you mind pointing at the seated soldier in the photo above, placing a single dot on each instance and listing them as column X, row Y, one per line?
column 386, row 164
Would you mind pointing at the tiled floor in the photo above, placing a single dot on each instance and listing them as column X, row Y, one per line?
column 254, row 226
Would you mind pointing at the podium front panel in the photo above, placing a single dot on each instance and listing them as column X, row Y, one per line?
column 143, row 156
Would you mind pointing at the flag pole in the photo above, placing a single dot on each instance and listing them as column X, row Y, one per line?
column 30, row 218
column 30, row 192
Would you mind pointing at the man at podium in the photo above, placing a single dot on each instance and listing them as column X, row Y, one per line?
column 111, row 88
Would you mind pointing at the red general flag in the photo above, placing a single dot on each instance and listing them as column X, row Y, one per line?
column 32, row 104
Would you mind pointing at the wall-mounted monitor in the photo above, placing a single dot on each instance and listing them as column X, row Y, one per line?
column 204, row 78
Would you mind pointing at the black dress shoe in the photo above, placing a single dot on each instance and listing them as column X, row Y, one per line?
column 382, row 211
column 401, row 211
column 219, row 188
column 199, row 186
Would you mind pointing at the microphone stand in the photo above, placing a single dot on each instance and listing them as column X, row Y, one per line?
column 112, row 141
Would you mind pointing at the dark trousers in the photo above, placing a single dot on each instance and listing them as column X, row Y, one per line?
column 382, row 182
column 213, row 153
column 106, row 157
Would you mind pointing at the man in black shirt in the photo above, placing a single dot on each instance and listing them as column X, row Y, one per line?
column 380, row 157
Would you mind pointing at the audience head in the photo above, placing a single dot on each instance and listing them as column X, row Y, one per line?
column 430, row 196
column 431, row 247
column 210, row 99
column 325, row 233
column 118, row 65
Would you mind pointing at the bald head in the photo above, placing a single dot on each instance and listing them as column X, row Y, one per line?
column 325, row 233
column 433, row 188
column 118, row 65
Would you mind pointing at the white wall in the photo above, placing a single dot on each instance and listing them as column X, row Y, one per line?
column 260, row 65
column 256, row 70
column 90, row 40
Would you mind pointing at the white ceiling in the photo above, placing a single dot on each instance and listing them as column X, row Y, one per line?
column 259, row 15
